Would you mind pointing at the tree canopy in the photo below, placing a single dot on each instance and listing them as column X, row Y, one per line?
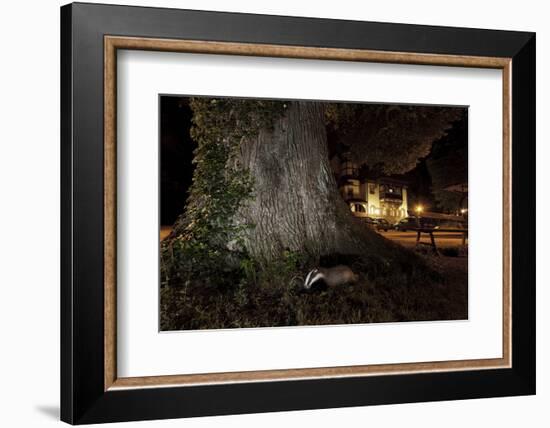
column 448, row 168
column 391, row 137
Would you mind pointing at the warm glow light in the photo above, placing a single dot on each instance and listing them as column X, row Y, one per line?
column 419, row 208
column 464, row 210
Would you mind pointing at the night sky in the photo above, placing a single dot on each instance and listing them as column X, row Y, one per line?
column 448, row 158
column 176, row 154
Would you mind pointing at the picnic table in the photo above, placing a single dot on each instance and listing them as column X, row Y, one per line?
column 430, row 231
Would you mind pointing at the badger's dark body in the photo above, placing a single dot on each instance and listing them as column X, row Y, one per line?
column 330, row 277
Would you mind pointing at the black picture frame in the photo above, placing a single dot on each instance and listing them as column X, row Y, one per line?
column 83, row 398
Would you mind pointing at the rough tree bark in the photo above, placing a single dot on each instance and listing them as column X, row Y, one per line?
column 296, row 204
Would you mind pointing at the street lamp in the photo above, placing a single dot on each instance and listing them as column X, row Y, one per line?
column 419, row 208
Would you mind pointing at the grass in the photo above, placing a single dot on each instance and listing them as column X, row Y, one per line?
column 274, row 297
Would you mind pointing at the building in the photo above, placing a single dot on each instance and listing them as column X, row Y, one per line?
column 369, row 195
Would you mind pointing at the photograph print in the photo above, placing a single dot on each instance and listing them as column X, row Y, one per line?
column 280, row 213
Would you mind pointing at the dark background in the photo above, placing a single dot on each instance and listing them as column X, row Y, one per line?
column 176, row 155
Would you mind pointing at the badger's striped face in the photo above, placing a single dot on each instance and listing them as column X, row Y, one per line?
column 310, row 275
column 313, row 276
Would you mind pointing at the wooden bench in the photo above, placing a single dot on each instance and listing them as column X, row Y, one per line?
column 430, row 231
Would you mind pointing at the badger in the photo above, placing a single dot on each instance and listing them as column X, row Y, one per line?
column 331, row 277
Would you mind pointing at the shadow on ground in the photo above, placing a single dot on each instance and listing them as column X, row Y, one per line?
column 50, row 411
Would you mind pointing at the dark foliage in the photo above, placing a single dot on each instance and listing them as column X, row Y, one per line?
column 393, row 137
column 275, row 297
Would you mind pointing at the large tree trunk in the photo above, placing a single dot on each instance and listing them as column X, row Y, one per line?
column 296, row 204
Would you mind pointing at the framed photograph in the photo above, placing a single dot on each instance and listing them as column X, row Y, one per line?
column 266, row 213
